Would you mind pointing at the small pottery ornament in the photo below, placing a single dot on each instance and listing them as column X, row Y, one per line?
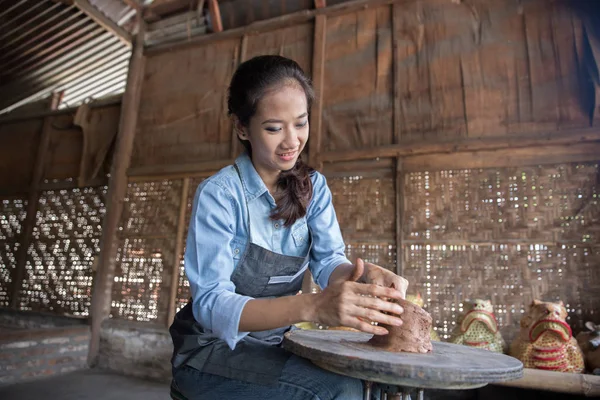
column 418, row 300
column 589, row 342
column 546, row 341
column 478, row 327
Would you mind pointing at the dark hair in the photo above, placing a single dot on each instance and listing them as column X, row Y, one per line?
column 249, row 83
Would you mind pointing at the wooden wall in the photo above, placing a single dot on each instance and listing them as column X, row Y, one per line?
column 408, row 93
column 50, row 213
column 411, row 72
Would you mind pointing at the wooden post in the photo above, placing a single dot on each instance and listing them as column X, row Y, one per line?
column 179, row 241
column 400, row 174
column 235, row 143
column 396, row 10
column 117, row 188
column 318, row 72
column 32, row 206
column 215, row 16
column 320, row 3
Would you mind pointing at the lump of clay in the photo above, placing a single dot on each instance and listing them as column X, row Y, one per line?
column 412, row 336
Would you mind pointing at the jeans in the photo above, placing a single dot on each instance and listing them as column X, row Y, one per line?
column 300, row 380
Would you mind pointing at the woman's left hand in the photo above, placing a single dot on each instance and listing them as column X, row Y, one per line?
column 383, row 277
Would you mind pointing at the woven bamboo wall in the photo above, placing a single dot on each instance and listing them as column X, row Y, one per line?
column 60, row 257
column 146, row 245
column 504, row 234
column 12, row 215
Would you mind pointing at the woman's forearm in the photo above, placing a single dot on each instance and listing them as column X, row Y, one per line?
column 264, row 314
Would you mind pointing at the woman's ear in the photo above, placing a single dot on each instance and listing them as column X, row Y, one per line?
column 241, row 131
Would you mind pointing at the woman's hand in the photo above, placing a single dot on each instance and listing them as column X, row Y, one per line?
column 383, row 277
column 349, row 303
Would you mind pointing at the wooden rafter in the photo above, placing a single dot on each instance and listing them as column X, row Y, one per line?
column 215, row 16
column 104, row 21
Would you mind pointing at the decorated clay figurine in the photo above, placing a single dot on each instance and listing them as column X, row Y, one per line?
column 589, row 342
column 418, row 300
column 478, row 327
column 546, row 341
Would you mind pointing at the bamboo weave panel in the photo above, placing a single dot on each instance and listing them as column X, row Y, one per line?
column 12, row 215
column 147, row 235
column 183, row 288
column 509, row 235
column 365, row 209
column 64, row 245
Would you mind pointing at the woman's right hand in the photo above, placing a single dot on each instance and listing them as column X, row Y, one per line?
column 350, row 303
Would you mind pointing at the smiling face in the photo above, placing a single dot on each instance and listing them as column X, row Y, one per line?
column 278, row 131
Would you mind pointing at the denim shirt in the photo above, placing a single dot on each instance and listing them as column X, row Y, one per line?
column 218, row 235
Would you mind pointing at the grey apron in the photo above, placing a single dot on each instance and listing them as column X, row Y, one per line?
column 258, row 358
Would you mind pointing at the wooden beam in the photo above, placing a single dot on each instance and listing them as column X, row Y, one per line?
column 235, row 143
column 215, row 16
column 24, row 116
column 563, row 382
column 272, row 24
column 400, row 195
column 160, row 171
column 133, row 4
column 179, row 242
column 117, row 188
column 318, row 73
column 507, row 157
column 154, row 11
column 104, row 21
column 320, row 3
column 510, row 140
column 32, row 206
column 396, row 66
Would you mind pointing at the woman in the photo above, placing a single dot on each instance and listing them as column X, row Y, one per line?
column 256, row 227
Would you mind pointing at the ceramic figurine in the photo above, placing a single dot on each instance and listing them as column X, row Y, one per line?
column 546, row 341
column 418, row 300
column 589, row 342
column 478, row 327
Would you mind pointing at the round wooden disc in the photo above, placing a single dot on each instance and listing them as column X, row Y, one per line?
column 448, row 366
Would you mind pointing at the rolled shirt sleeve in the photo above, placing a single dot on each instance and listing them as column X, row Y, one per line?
column 209, row 263
column 328, row 248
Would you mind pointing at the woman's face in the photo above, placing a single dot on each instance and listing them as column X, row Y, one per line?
column 279, row 130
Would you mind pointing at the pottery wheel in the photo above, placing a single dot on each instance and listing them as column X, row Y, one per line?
column 448, row 366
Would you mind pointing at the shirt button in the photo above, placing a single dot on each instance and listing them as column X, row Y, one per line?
column 276, row 226
column 237, row 251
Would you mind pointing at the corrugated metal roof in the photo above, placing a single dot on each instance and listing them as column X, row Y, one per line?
column 47, row 46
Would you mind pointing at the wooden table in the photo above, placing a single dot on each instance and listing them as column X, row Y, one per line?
column 448, row 366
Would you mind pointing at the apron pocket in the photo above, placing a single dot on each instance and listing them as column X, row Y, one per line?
column 287, row 278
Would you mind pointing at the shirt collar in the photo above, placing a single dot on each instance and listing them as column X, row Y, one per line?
column 252, row 182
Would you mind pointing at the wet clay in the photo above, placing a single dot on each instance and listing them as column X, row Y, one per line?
column 412, row 336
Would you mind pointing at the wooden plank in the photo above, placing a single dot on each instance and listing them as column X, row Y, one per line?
column 102, row 20
column 32, row 205
column 563, row 382
column 508, row 157
column 215, row 16
column 17, row 117
column 236, row 146
column 565, row 137
column 102, row 292
column 160, row 171
column 397, row 112
column 272, row 24
column 318, row 73
column 400, row 193
column 133, row 4
column 179, row 242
